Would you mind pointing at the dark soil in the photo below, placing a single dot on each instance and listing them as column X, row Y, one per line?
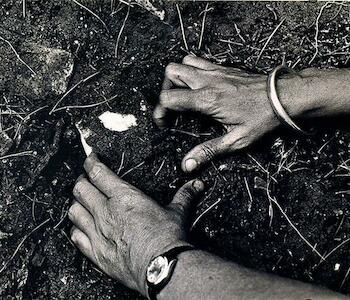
column 308, row 177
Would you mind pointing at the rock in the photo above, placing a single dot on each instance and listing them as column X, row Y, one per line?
column 5, row 143
column 53, row 68
column 148, row 5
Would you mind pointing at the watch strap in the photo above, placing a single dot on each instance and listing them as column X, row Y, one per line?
column 171, row 255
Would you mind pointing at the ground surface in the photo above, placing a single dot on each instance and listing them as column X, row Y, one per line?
column 306, row 179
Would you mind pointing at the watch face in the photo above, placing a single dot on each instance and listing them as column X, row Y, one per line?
column 158, row 270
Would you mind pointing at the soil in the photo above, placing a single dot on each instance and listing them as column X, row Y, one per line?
column 308, row 177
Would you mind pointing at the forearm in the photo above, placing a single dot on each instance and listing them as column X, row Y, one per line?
column 200, row 275
column 316, row 93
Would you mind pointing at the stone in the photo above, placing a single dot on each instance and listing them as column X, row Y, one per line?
column 52, row 67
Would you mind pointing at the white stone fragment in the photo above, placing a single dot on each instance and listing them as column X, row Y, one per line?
column 84, row 134
column 117, row 122
column 336, row 267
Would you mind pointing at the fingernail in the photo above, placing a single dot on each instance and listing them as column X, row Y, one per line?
column 198, row 185
column 190, row 164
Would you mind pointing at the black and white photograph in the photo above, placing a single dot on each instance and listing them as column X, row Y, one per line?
column 165, row 150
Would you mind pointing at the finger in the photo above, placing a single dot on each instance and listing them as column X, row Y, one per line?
column 81, row 240
column 185, row 196
column 200, row 63
column 206, row 152
column 89, row 196
column 101, row 176
column 188, row 100
column 202, row 101
column 160, row 115
column 81, row 218
column 182, row 76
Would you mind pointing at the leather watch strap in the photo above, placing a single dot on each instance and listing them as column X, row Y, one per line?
column 171, row 255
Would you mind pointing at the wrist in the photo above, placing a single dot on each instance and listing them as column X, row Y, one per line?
column 296, row 94
column 311, row 93
column 146, row 252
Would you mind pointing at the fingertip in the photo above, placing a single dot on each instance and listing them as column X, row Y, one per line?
column 188, row 58
column 198, row 185
column 158, row 116
column 189, row 165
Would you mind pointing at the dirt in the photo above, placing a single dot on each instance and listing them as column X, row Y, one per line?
column 307, row 179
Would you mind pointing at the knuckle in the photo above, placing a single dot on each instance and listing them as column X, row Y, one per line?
column 187, row 59
column 188, row 190
column 217, row 73
column 208, row 151
column 96, row 170
column 77, row 189
column 75, row 236
column 210, row 96
column 170, row 68
column 163, row 97
column 241, row 142
column 72, row 212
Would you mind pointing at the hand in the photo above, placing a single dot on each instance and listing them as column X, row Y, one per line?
column 235, row 98
column 121, row 229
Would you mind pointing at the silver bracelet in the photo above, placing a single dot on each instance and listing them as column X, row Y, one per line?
column 276, row 103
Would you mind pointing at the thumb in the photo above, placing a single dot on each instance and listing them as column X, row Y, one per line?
column 184, row 197
column 204, row 153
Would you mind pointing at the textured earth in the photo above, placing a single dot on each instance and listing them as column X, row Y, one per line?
column 278, row 206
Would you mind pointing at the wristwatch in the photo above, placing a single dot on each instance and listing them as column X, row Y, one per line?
column 160, row 270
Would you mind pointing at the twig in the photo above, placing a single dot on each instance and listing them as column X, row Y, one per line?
column 249, row 194
column 33, row 207
column 26, row 118
column 182, row 27
column 24, row 153
column 24, row 9
column 203, row 26
column 34, row 112
column 121, row 163
column 346, row 277
column 317, row 31
column 210, row 193
column 185, row 132
column 132, row 169
column 160, row 168
column 268, row 40
column 342, row 192
column 21, row 243
column 60, row 221
column 292, row 224
column 239, row 33
column 120, row 33
column 262, row 168
column 17, row 55
column 336, row 248
column 91, row 12
column 72, row 89
column 205, row 212
column 86, row 106
column 325, row 144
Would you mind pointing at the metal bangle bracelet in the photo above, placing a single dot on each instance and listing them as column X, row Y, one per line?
column 276, row 103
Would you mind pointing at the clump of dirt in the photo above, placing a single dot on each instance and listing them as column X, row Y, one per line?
column 278, row 207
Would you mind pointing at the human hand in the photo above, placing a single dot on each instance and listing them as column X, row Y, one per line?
column 121, row 229
column 233, row 97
